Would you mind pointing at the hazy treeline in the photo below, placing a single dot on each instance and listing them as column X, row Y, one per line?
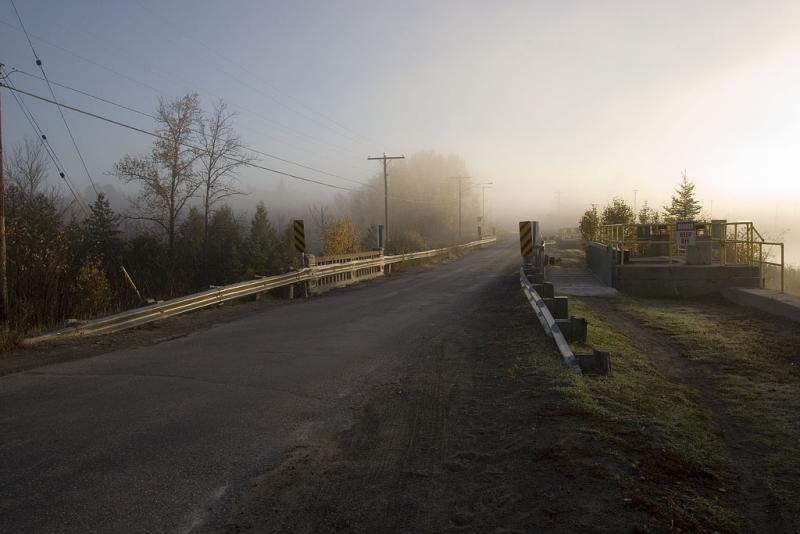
column 423, row 203
column 68, row 258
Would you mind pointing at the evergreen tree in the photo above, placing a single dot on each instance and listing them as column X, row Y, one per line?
column 103, row 236
column 146, row 259
column 189, row 248
column 262, row 244
column 224, row 247
column 684, row 207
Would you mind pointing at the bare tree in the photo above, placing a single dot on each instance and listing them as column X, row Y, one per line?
column 222, row 155
column 167, row 177
column 27, row 167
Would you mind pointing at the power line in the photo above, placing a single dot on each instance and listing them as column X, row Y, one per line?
column 263, row 118
column 48, row 149
column 187, row 145
column 52, row 93
column 151, row 116
column 39, row 132
column 60, row 166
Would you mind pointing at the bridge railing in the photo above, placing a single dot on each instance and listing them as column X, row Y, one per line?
column 735, row 242
column 322, row 273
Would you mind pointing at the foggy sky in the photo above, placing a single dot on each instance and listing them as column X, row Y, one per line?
column 561, row 104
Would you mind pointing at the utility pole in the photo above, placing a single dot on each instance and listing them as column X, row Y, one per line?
column 460, row 179
column 3, row 260
column 635, row 197
column 386, row 159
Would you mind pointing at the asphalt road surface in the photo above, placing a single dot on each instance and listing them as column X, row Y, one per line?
column 164, row 438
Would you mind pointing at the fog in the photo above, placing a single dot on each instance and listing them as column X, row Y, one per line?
column 560, row 105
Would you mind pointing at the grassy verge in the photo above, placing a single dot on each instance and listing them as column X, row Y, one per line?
column 658, row 425
column 753, row 361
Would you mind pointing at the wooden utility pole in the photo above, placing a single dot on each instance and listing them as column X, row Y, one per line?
column 386, row 159
column 4, row 314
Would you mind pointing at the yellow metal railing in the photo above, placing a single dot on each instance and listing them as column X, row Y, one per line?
column 731, row 243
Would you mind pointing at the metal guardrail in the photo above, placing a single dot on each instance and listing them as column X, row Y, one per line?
column 219, row 295
column 548, row 322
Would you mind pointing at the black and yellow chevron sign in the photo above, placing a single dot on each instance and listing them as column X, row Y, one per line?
column 526, row 238
column 299, row 236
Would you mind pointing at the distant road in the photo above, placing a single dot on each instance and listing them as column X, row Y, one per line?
column 163, row 438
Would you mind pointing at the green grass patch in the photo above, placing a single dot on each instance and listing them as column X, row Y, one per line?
column 753, row 363
column 658, row 424
column 636, row 392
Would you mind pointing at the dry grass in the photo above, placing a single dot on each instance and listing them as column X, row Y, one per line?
column 659, row 425
column 754, row 360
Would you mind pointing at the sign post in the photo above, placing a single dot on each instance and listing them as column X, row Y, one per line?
column 299, row 233
column 528, row 236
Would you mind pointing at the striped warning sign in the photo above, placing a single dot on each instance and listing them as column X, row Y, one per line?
column 526, row 238
column 299, row 236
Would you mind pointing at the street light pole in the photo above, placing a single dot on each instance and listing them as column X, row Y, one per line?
column 483, row 186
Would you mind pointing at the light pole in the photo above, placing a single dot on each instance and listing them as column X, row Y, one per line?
column 483, row 186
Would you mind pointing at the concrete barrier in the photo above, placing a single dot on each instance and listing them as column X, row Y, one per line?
column 767, row 300
column 601, row 260
column 683, row 280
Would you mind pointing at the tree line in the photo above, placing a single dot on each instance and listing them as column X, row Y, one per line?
column 682, row 207
column 69, row 259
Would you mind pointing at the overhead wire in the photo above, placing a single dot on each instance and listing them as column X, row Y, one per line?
column 151, row 116
column 173, row 26
column 263, row 118
column 52, row 93
column 244, row 162
column 156, row 135
column 247, row 148
column 28, row 114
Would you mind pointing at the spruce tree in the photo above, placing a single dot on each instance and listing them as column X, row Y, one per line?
column 262, row 243
column 224, row 247
column 103, row 236
column 684, row 207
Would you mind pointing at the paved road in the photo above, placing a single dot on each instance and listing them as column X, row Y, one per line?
column 158, row 439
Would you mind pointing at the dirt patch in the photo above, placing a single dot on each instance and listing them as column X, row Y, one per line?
column 477, row 436
column 766, row 500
